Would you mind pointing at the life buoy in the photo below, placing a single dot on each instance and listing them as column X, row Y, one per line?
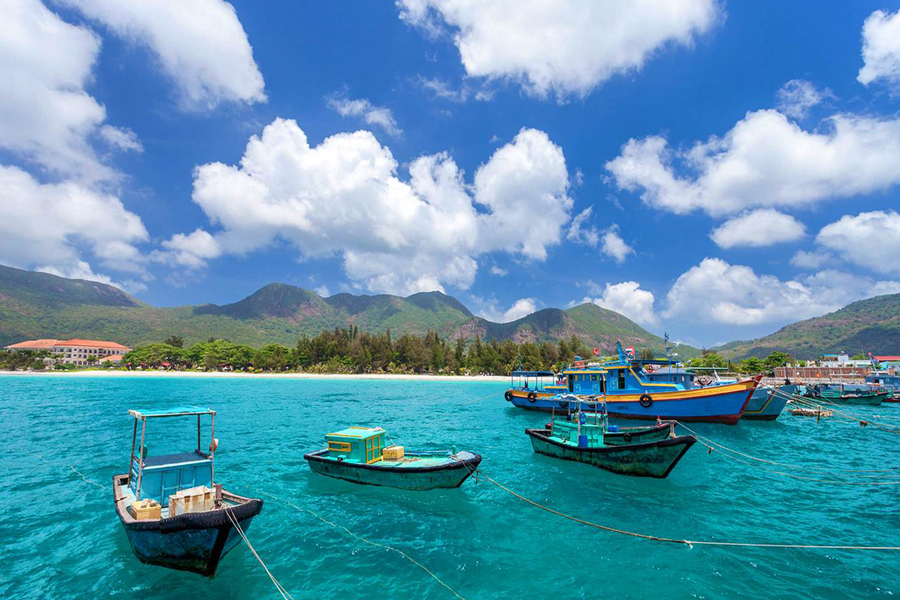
column 646, row 401
column 649, row 368
column 508, row 395
column 532, row 396
column 627, row 437
column 704, row 381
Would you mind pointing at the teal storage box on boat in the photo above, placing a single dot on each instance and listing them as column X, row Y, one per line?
column 358, row 444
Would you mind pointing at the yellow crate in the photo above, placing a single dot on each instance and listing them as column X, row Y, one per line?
column 393, row 453
column 145, row 510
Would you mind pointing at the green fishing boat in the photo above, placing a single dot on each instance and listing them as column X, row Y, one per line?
column 586, row 437
column 856, row 397
column 358, row 455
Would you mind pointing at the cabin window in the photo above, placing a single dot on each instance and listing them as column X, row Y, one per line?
column 571, row 383
column 602, row 385
column 621, row 379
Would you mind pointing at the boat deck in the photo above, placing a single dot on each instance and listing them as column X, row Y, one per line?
column 412, row 460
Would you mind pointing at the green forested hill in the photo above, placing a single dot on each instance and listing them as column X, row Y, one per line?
column 34, row 305
column 871, row 325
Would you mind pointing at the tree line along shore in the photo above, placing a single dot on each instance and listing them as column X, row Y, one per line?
column 349, row 351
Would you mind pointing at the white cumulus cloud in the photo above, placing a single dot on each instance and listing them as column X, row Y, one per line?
column 490, row 309
column 48, row 227
column 627, row 298
column 561, row 47
column 869, row 239
column 344, row 197
column 764, row 161
column 121, row 138
column 373, row 115
column 614, row 246
column 200, row 45
column 761, row 227
column 718, row 292
column 798, row 96
column 48, row 116
column 881, row 49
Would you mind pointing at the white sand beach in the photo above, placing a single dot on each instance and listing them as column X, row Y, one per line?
column 381, row 376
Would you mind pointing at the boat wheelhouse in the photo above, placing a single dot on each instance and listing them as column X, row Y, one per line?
column 888, row 380
column 588, row 438
column 359, row 455
column 174, row 513
column 630, row 394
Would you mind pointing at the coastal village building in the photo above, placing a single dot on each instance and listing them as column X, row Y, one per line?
column 76, row 351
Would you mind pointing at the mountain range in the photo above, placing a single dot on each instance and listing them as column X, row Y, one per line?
column 871, row 325
column 40, row 305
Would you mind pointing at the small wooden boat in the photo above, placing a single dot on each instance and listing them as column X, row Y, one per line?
column 173, row 512
column 358, row 455
column 581, row 438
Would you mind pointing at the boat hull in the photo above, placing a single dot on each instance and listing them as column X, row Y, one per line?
column 449, row 475
column 860, row 400
column 717, row 404
column 766, row 404
column 651, row 459
column 194, row 542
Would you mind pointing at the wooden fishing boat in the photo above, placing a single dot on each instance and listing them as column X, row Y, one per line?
column 358, row 455
column 618, row 436
column 630, row 394
column 855, row 397
column 583, row 438
column 173, row 512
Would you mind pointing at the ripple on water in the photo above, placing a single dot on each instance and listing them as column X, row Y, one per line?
column 61, row 538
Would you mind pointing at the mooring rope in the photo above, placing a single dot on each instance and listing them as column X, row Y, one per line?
column 237, row 527
column 858, row 473
column 818, row 403
column 684, row 542
column 372, row 543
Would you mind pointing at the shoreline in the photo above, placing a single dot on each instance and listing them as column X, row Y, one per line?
column 231, row 374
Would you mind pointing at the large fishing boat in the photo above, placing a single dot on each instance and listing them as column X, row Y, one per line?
column 359, row 455
column 588, row 438
column 766, row 403
column 173, row 512
column 629, row 393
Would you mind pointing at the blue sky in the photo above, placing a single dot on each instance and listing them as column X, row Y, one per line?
column 713, row 169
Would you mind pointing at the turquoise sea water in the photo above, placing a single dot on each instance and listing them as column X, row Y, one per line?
column 60, row 537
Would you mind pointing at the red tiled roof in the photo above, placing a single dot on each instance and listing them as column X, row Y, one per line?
column 112, row 358
column 891, row 358
column 93, row 344
column 33, row 345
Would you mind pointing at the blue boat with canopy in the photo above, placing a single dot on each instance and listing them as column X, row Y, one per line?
column 174, row 513
column 623, row 383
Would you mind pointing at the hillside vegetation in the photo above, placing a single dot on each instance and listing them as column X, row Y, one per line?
column 871, row 325
column 35, row 305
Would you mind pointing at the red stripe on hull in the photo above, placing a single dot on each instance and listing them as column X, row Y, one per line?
column 721, row 419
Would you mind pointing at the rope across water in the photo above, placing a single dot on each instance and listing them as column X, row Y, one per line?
column 667, row 540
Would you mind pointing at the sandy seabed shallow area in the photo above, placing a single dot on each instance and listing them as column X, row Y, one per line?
column 380, row 376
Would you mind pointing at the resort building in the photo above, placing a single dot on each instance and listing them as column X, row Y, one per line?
column 76, row 351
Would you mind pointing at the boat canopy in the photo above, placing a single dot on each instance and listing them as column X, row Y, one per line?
column 183, row 411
